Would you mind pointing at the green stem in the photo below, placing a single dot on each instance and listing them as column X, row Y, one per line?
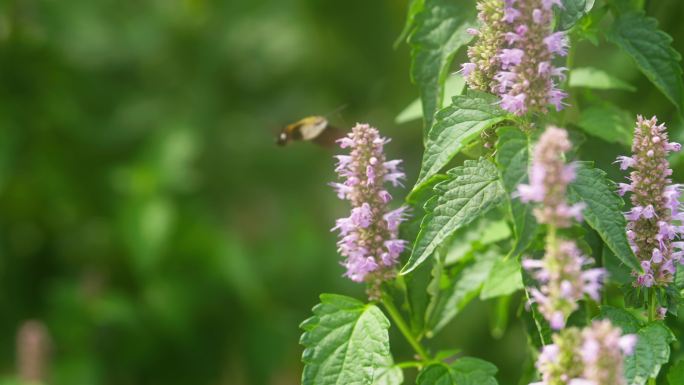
column 551, row 241
column 409, row 364
column 651, row 318
column 399, row 321
column 651, row 305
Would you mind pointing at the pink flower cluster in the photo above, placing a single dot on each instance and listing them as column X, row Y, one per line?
column 563, row 282
column 484, row 52
column 549, row 179
column 513, row 55
column 591, row 356
column 654, row 221
column 528, row 79
column 369, row 236
column 561, row 273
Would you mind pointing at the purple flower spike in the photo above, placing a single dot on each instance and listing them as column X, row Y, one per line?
column 593, row 355
column 369, row 236
column 561, row 273
column 563, row 282
column 603, row 349
column 528, row 55
column 494, row 29
column 655, row 217
column 549, row 179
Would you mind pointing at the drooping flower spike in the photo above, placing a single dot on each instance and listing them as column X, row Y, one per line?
column 655, row 219
column 561, row 273
column 369, row 236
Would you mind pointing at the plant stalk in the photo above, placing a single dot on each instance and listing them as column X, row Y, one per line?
column 651, row 318
column 399, row 321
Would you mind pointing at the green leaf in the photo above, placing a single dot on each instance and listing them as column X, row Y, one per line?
column 603, row 210
column 440, row 31
column 679, row 277
column 620, row 318
column 651, row 50
column 418, row 280
column 512, row 157
column 454, row 86
column 628, row 5
column 472, row 190
column 675, row 376
column 476, row 236
column 455, row 126
column 345, row 342
column 465, row 371
column 607, row 122
column 391, row 375
column 460, row 289
column 500, row 316
column 417, row 283
column 652, row 351
column 594, row 78
column 416, row 200
column 617, row 271
column 504, row 278
column 414, row 7
column 571, row 11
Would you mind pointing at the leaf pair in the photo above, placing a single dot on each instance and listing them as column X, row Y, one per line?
column 346, row 342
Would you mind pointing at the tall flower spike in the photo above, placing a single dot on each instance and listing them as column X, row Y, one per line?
column 527, row 80
column 549, row 179
column 563, row 282
column 654, row 222
column 603, row 350
column 489, row 40
column 558, row 363
column 560, row 273
column 369, row 236
column 591, row 356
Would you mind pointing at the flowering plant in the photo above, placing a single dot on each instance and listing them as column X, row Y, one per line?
column 523, row 215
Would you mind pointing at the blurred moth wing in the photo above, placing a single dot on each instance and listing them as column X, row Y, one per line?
column 315, row 129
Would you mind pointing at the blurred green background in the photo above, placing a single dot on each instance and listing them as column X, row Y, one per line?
column 147, row 217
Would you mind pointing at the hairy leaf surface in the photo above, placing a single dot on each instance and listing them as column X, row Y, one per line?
column 652, row 351
column 455, row 126
column 603, row 210
column 472, row 190
column 346, row 342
